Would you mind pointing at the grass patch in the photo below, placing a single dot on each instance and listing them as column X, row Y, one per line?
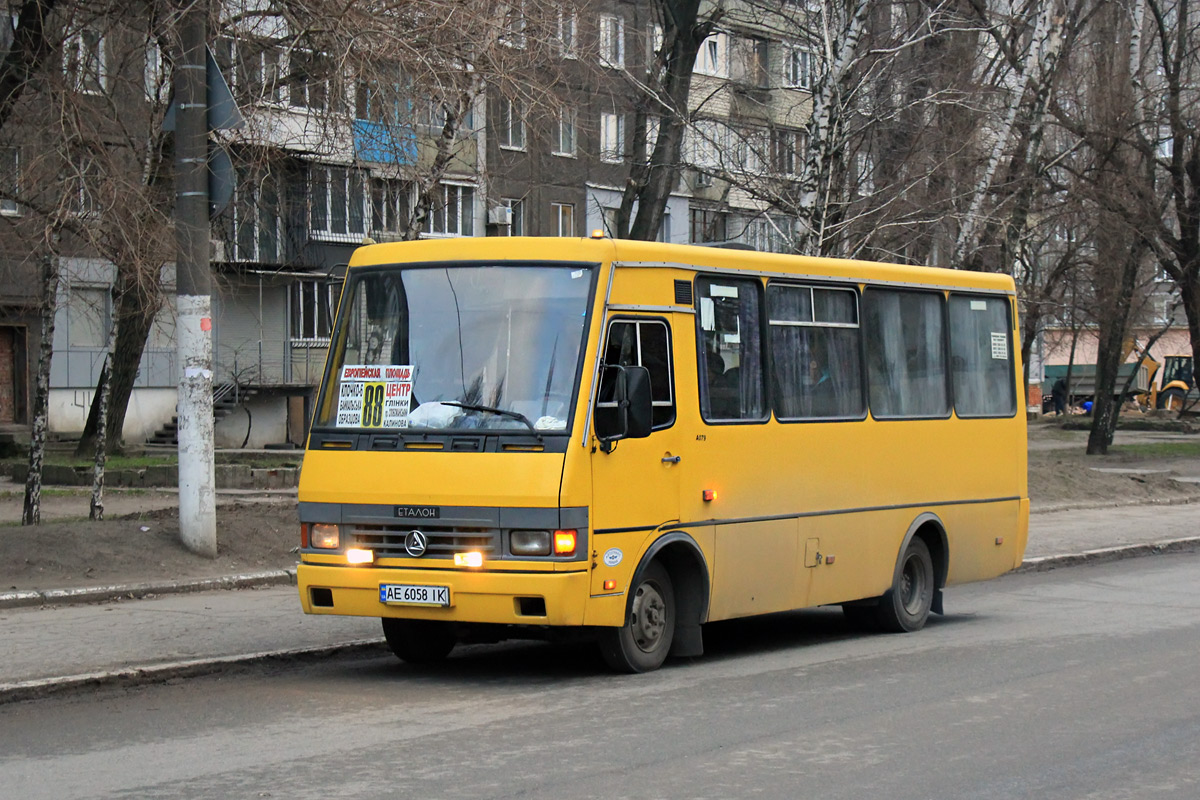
column 1157, row 450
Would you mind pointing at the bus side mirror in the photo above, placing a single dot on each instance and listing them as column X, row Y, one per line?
column 624, row 408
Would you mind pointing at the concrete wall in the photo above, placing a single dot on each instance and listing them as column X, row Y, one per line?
column 267, row 422
column 149, row 410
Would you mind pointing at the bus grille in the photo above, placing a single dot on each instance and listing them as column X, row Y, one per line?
column 388, row 541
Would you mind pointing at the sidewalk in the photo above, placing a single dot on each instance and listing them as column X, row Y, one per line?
column 52, row 648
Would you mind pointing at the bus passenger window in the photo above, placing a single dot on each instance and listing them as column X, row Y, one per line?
column 906, row 353
column 981, row 357
column 730, row 339
column 815, row 341
column 643, row 344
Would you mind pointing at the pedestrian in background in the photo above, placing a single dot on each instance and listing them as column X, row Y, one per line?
column 1059, row 392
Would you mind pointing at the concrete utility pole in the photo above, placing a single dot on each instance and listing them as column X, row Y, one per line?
column 197, row 492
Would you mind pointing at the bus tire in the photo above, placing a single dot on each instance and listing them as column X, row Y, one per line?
column 906, row 606
column 642, row 643
column 419, row 641
column 1171, row 399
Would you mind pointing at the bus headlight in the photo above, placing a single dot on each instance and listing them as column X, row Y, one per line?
column 529, row 543
column 325, row 536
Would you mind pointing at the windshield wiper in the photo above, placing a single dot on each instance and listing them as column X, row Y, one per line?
column 493, row 410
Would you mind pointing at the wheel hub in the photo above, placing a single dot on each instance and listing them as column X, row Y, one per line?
column 649, row 618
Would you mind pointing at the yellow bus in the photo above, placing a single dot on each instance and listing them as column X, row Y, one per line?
column 519, row 437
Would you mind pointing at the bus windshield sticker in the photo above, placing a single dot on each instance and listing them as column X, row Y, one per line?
column 374, row 396
column 1000, row 346
column 723, row 291
column 979, row 305
column 708, row 316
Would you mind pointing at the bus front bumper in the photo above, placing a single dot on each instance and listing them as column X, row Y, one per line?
column 506, row 598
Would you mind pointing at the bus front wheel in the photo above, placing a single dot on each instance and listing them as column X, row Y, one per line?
column 905, row 606
column 419, row 641
column 642, row 643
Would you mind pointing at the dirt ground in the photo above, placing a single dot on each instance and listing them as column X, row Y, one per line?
column 139, row 539
column 144, row 547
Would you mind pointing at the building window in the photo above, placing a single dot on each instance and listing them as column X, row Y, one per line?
column 564, row 218
column 337, row 200
column 564, row 144
column 515, row 23
column 653, row 126
column 799, row 68
column 713, row 58
column 612, row 137
column 510, row 124
column 612, row 41
column 257, row 227
column 453, row 212
column 308, row 81
column 87, row 317
column 708, row 226
column 390, row 200
column 157, row 75
column 84, row 61
column 258, row 72
column 787, row 151
column 517, row 227
column 313, row 304
column 709, row 141
column 10, row 180
column 568, row 29
column 758, row 71
column 84, row 185
column 654, row 44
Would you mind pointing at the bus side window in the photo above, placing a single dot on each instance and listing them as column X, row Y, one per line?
column 642, row 344
column 981, row 356
column 730, row 345
column 816, row 367
column 906, row 353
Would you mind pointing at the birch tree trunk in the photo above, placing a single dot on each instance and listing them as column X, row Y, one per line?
column 104, row 389
column 826, row 133
column 31, row 513
column 1033, row 70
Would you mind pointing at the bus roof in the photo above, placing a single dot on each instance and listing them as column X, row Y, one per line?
column 681, row 256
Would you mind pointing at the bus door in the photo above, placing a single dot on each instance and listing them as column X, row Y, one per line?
column 635, row 486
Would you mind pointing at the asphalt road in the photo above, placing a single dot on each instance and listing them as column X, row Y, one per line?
column 1079, row 682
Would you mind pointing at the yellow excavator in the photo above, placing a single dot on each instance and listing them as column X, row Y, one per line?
column 1176, row 385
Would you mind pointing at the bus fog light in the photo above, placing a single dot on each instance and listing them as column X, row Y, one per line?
column 471, row 559
column 564, row 543
column 325, row 536
column 357, row 555
column 529, row 543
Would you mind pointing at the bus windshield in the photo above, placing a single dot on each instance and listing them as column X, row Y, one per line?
column 457, row 347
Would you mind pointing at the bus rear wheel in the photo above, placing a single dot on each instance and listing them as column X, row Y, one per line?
column 419, row 641
column 642, row 643
column 906, row 606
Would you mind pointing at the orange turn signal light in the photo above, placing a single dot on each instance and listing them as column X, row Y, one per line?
column 709, row 495
column 564, row 542
column 610, row 585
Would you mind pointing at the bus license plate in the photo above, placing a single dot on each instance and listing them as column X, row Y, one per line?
column 406, row 594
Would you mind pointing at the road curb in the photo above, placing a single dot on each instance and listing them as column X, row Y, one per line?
column 134, row 591
column 1106, row 554
column 188, row 668
column 1092, row 505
